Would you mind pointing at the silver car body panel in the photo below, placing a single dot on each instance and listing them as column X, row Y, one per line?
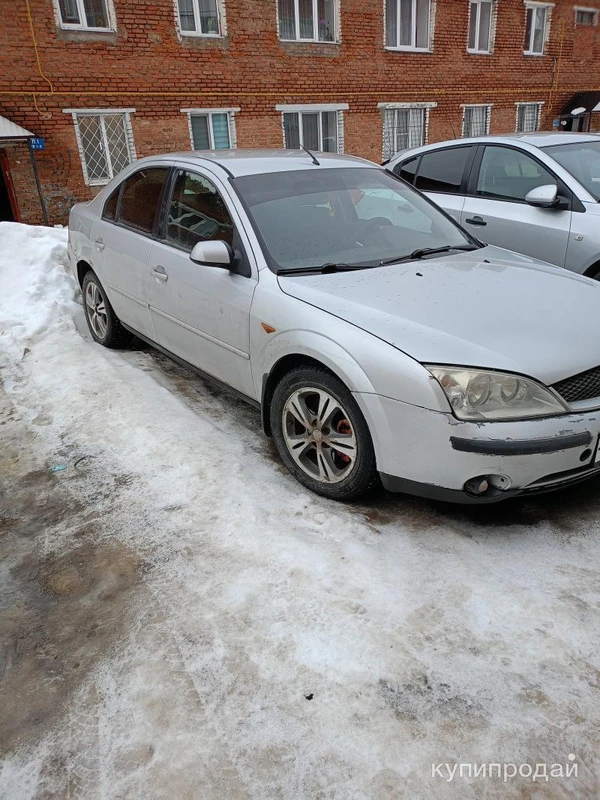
column 568, row 239
column 371, row 328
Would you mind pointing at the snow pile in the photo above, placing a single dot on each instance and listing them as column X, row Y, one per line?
column 35, row 294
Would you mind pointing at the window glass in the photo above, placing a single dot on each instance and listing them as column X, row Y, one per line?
column 407, row 23
column 476, row 120
column 535, row 29
column 95, row 13
column 199, row 16
column 582, row 161
column 69, row 12
column 507, row 174
column 316, row 130
column 407, row 170
column 442, row 170
column 200, row 135
column 585, row 17
column 141, row 194
column 197, row 212
column 110, row 207
column 343, row 215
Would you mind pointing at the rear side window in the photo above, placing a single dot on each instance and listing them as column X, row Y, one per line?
column 407, row 170
column 443, row 170
column 139, row 201
column 110, row 207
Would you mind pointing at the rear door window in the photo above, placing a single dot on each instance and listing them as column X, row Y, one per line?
column 443, row 170
column 140, row 198
column 407, row 170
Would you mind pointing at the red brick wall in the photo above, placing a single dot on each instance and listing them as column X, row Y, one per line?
column 147, row 67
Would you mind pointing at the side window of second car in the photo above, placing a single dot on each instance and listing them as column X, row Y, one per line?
column 508, row 174
column 407, row 170
column 196, row 212
column 443, row 170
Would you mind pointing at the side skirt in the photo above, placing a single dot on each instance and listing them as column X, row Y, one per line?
column 186, row 365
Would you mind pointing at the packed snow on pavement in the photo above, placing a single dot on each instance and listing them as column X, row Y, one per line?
column 181, row 619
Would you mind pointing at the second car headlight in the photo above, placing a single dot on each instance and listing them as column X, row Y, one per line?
column 480, row 394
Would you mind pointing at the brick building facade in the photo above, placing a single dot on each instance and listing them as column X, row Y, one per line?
column 106, row 81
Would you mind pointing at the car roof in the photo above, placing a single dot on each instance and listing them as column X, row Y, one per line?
column 538, row 139
column 241, row 162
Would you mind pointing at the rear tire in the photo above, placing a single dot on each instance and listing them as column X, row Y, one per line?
column 322, row 436
column 102, row 321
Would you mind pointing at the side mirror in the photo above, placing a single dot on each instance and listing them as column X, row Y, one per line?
column 543, row 196
column 212, row 254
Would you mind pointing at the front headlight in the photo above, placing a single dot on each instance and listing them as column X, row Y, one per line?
column 480, row 394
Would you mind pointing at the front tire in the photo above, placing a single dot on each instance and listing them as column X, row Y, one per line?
column 322, row 436
column 102, row 321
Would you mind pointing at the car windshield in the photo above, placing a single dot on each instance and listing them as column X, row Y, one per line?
column 348, row 216
column 582, row 160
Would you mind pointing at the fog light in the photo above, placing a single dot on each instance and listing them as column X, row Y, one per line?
column 501, row 482
column 477, row 485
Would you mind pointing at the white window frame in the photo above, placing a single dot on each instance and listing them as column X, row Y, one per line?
column 585, row 9
column 208, row 112
column 222, row 32
column 426, row 107
column 530, row 5
column 492, row 31
column 411, row 47
column 315, row 38
column 489, row 107
column 339, row 108
column 538, row 113
column 83, row 26
column 102, row 112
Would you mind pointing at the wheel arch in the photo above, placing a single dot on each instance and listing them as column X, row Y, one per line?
column 593, row 270
column 82, row 269
column 333, row 358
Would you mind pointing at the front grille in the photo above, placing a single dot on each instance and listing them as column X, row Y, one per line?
column 584, row 386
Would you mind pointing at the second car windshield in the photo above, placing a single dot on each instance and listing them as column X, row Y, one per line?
column 582, row 160
column 344, row 215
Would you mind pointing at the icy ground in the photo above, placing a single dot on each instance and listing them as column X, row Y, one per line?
column 170, row 598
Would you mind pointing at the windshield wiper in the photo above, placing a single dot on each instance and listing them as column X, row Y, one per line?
column 324, row 269
column 421, row 252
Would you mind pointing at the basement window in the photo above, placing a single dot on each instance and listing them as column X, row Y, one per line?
column 318, row 127
column 404, row 126
column 89, row 15
column 211, row 128
column 105, row 143
column 476, row 120
column 199, row 18
column 528, row 117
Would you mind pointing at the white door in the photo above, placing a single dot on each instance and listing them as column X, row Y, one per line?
column 121, row 242
column 200, row 313
column 498, row 214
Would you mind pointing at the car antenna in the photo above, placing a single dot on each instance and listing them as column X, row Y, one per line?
column 306, row 150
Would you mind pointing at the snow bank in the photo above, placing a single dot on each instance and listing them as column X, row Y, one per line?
column 35, row 294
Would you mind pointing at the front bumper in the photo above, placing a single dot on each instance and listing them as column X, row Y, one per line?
column 432, row 454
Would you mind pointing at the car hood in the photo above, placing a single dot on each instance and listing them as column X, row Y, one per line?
column 488, row 308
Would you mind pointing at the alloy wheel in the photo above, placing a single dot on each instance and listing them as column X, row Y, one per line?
column 96, row 310
column 318, row 434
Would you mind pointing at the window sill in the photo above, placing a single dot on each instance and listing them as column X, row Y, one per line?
column 85, row 29
column 535, row 55
column 479, row 52
column 407, row 49
column 308, row 41
column 87, row 35
column 196, row 35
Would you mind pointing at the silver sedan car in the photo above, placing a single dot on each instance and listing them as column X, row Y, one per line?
column 381, row 341
column 537, row 193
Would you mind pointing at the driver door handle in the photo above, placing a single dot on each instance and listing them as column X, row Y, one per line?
column 476, row 221
column 99, row 244
column 160, row 274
